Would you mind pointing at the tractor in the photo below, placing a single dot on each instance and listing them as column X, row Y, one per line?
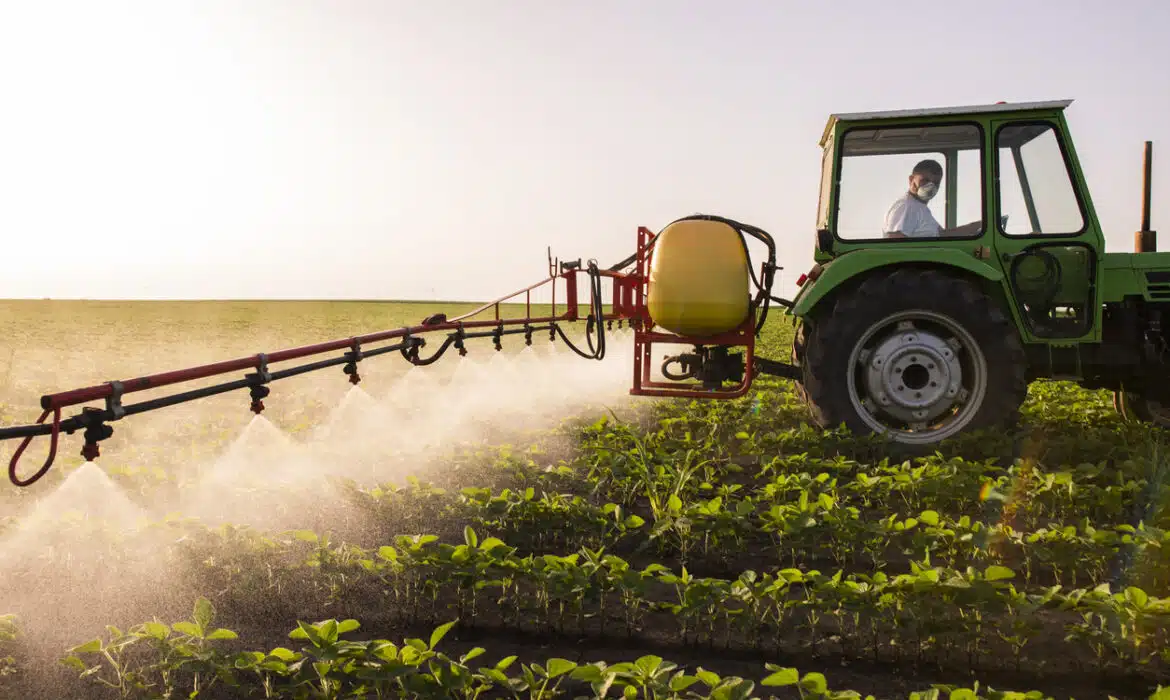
column 922, row 337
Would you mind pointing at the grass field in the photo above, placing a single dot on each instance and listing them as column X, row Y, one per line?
column 520, row 527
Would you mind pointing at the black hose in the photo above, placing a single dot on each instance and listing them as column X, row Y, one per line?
column 411, row 354
column 596, row 318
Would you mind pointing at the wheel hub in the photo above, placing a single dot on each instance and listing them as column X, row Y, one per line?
column 917, row 375
column 914, row 375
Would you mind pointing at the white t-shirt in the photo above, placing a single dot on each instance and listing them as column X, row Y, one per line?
column 911, row 216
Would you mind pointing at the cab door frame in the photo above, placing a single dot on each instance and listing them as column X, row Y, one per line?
column 1084, row 246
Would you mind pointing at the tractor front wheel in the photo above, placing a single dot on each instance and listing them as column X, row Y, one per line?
column 1134, row 407
column 916, row 355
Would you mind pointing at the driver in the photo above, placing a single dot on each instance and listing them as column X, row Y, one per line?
column 909, row 217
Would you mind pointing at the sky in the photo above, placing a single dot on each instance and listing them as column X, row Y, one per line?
column 383, row 149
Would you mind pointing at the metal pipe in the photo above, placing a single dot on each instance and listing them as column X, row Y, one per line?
column 1145, row 240
column 101, row 391
column 1147, row 168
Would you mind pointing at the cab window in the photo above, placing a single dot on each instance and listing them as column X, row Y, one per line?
column 876, row 166
column 1036, row 188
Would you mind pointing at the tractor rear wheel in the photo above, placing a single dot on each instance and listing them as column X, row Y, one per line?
column 1134, row 407
column 915, row 355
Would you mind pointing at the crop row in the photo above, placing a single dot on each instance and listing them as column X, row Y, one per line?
column 1062, row 424
column 967, row 616
column 811, row 527
column 189, row 657
column 629, row 466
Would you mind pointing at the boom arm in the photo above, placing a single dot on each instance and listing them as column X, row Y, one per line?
column 408, row 341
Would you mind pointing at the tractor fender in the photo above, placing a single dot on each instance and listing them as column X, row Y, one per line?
column 848, row 267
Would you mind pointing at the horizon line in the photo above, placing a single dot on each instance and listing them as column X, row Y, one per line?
column 271, row 300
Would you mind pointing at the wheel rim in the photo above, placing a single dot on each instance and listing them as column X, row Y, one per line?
column 917, row 376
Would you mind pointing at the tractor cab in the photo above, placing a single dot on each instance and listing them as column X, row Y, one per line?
column 1011, row 205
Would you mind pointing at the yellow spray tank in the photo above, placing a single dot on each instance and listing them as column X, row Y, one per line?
column 699, row 273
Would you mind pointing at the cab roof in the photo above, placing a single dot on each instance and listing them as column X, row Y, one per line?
column 997, row 107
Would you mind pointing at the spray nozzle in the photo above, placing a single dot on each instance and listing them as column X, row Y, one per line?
column 95, row 431
column 258, row 393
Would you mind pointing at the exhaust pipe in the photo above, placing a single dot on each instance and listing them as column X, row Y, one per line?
column 1145, row 240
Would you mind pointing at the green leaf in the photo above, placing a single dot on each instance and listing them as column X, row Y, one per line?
column 305, row 535
column 491, row 543
column 91, row 647
column 157, row 630
column 1137, row 597
column 815, row 682
column 306, row 631
column 440, row 632
column 222, row 633
column 996, row 572
column 649, row 663
column 785, row 676
column 287, row 655
column 328, row 630
column 188, row 628
column 477, row 651
column 929, row 517
column 559, row 667
column 709, row 678
column 204, row 613
column 589, row 673
column 504, row 663
column 963, row 694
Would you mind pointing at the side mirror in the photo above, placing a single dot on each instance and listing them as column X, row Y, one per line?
column 824, row 240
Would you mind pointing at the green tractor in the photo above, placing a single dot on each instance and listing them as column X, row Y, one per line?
column 919, row 328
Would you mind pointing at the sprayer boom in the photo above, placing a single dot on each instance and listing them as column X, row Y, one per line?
column 407, row 341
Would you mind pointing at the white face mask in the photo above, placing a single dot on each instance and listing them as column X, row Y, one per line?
column 927, row 191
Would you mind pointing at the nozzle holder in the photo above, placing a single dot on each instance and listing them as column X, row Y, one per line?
column 459, row 335
column 257, row 380
column 96, row 430
column 354, row 356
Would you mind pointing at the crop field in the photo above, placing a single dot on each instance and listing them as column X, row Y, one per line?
column 514, row 524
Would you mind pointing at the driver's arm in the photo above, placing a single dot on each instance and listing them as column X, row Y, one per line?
column 965, row 230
